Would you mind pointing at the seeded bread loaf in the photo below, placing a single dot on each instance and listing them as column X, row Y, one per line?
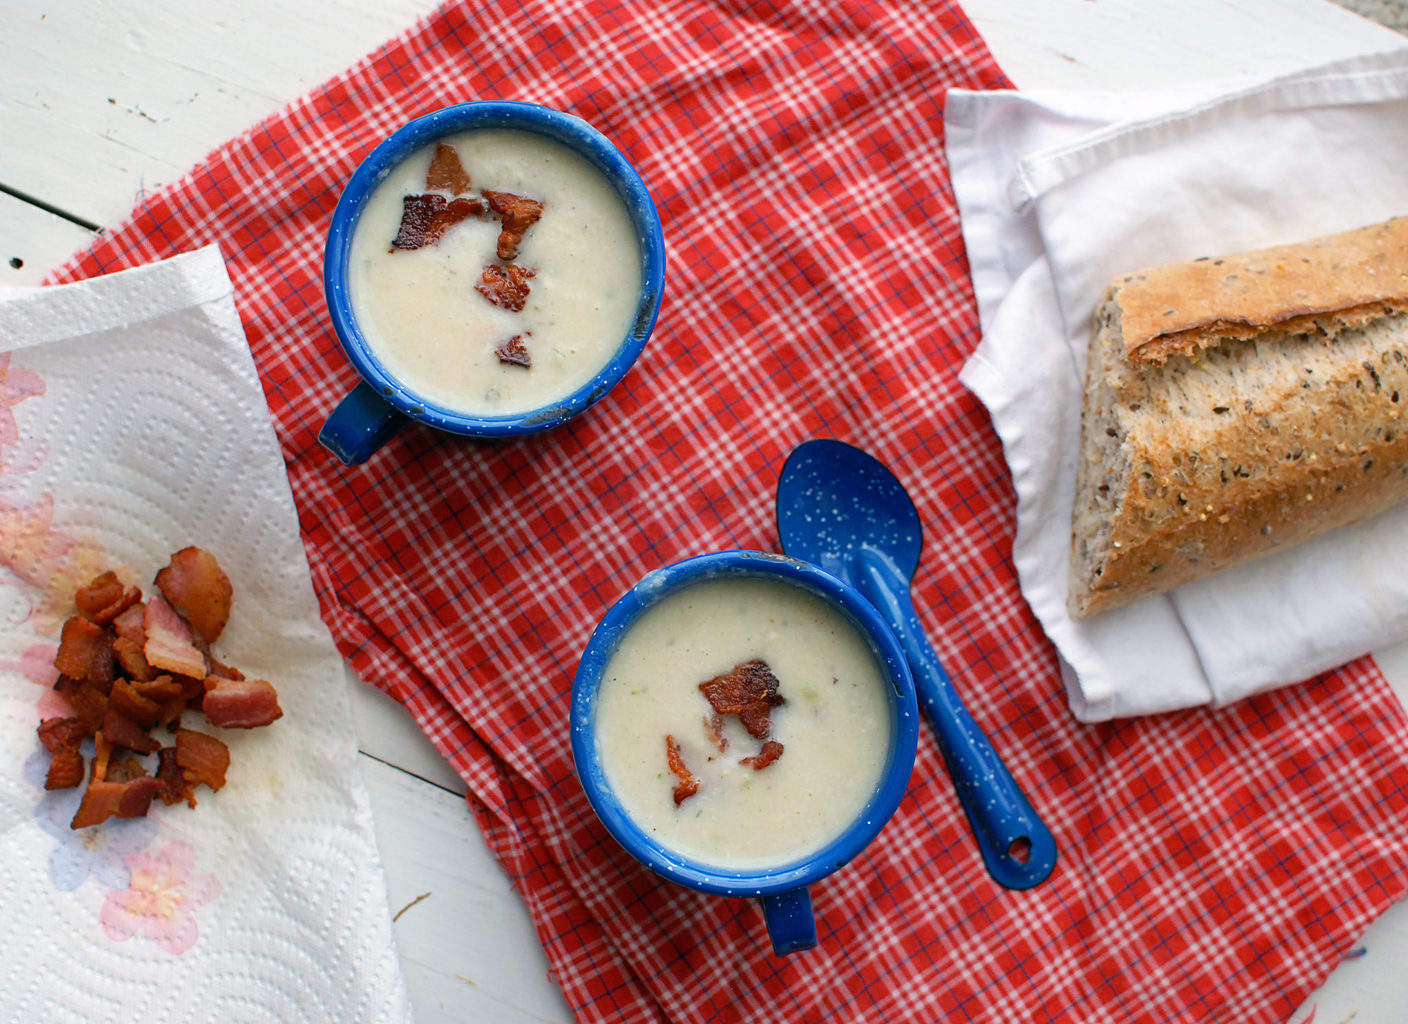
column 1237, row 406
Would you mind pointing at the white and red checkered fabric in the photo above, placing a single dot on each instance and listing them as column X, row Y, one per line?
column 1215, row 865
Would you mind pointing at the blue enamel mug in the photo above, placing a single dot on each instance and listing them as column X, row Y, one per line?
column 381, row 405
column 782, row 890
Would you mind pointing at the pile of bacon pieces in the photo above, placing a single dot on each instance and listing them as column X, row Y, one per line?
column 425, row 219
column 750, row 691
column 127, row 666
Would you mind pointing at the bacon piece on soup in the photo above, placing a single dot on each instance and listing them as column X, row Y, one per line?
column 425, row 219
column 202, row 758
column 65, row 770
column 689, row 782
column 714, row 730
column 770, row 752
column 506, row 286
column 194, row 584
column 750, row 691
column 446, row 172
column 85, row 652
column 240, row 703
column 170, row 643
column 515, row 352
column 418, row 219
column 517, row 214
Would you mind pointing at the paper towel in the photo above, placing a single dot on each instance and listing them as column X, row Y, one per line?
column 132, row 424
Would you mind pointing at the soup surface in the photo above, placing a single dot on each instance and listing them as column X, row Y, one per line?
column 422, row 313
column 834, row 727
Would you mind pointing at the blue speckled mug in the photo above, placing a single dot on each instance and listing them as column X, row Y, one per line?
column 380, row 406
column 782, row 890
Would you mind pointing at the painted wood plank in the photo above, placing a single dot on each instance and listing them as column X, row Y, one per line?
column 33, row 241
column 110, row 99
column 1152, row 44
column 468, row 948
column 386, row 731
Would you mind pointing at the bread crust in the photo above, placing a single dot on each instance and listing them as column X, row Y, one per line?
column 1332, row 283
column 1237, row 446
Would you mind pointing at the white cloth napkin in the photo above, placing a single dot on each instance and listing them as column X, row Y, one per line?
column 132, row 424
column 1059, row 192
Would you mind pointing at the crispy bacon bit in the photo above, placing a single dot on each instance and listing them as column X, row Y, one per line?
column 125, row 667
column 515, row 352
column 85, row 652
column 446, row 172
column 102, row 754
column 161, row 689
column 424, row 219
column 771, row 751
column 418, row 214
column 194, row 584
column 170, row 643
column 125, row 770
column 714, row 730
column 127, row 702
column 58, row 733
column 130, row 624
column 98, row 594
column 219, row 668
column 65, row 770
column 133, row 661
column 121, row 731
column 689, row 782
column 240, row 703
column 102, row 800
column 506, row 286
column 750, row 691
column 104, row 599
column 175, row 788
column 202, row 758
column 517, row 214
column 89, row 703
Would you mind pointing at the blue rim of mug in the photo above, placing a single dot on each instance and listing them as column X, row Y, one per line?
column 675, row 866
column 572, row 132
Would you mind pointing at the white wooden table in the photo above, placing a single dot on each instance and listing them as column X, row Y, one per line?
column 100, row 101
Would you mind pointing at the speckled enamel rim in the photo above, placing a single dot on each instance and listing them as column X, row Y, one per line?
column 899, row 761
column 564, row 128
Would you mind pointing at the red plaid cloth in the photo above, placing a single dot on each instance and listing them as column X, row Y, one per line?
column 1214, row 865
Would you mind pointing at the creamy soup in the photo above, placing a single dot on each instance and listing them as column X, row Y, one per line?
column 428, row 325
column 834, row 728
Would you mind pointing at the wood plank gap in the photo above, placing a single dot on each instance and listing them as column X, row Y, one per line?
column 72, row 218
column 414, row 775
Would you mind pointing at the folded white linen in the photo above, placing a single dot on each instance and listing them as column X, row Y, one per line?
column 1060, row 191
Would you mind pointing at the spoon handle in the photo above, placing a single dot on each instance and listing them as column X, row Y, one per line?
column 1017, row 847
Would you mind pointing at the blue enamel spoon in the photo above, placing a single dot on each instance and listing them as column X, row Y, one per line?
column 841, row 509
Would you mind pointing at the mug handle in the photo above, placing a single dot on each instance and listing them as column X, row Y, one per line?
column 791, row 924
column 361, row 423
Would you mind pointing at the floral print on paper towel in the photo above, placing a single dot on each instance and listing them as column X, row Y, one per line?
column 99, row 852
column 153, row 895
column 161, row 900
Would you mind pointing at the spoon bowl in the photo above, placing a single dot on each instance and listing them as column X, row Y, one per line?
column 841, row 509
